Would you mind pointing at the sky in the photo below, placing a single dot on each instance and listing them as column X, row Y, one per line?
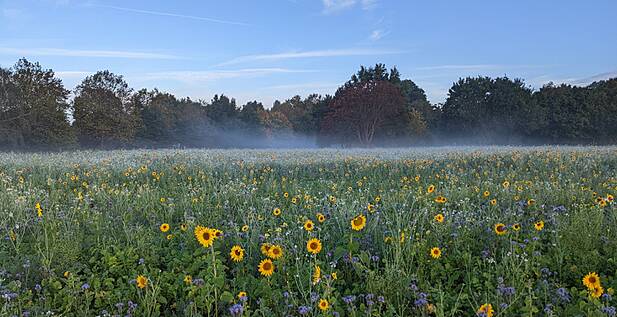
column 275, row 49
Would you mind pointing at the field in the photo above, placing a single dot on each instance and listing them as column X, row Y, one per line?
column 423, row 232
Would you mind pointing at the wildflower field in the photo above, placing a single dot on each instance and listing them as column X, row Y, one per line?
column 422, row 232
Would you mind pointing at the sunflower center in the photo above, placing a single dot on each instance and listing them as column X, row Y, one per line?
column 313, row 245
column 267, row 266
column 238, row 252
column 357, row 221
column 206, row 236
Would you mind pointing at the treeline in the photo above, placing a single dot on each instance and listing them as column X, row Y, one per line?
column 374, row 108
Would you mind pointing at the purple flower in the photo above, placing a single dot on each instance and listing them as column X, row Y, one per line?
column 236, row 310
column 85, row 286
column 563, row 295
column 610, row 311
column 349, row 299
column 304, row 310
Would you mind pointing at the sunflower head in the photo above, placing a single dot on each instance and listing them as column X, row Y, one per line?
column 313, row 246
column 266, row 267
column 323, row 304
column 597, row 291
column 358, row 223
column 141, row 281
column 516, row 227
column 164, row 227
column 486, row 310
column 493, row 202
column 245, row 228
column 500, row 229
column 539, row 225
column 320, row 217
column 435, row 253
column 430, row 189
column 308, row 225
column 591, row 280
column 275, row 252
column 316, row 275
column 439, row 218
column 241, row 295
column 236, row 253
column 265, row 248
column 205, row 236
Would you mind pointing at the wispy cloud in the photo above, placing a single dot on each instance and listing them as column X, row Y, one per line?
column 588, row 80
column 83, row 53
column 200, row 76
column 464, row 67
column 377, row 35
column 305, row 86
column 332, row 6
column 310, row 54
column 72, row 74
column 169, row 14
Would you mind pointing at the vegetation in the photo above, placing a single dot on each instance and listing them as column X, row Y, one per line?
column 429, row 232
column 374, row 108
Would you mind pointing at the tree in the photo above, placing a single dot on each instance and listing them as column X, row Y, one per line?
column 360, row 111
column 103, row 113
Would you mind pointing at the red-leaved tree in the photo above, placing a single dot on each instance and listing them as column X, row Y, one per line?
column 363, row 110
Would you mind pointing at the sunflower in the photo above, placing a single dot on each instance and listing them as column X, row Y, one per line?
column 591, row 280
column 316, row 275
column 493, row 202
column 188, row 279
column 531, row 202
column 539, row 225
column 184, row 227
column 358, row 222
column 610, row 198
column 205, row 236
column 39, row 210
column 439, row 218
column 596, row 292
column 241, row 294
column 142, row 281
column 245, row 228
column 236, row 253
column 323, row 304
column 275, row 252
column 265, row 248
column 430, row 189
column 320, row 217
column 500, row 229
column 334, row 275
column 266, row 267
column 440, row 199
column 276, row 212
column 505, row 184
column 164, row 227
column 170, row 236
column 308, row 225
column 370, row 207
column 516, row 227
column 286, row 194
column 603, row 203
column 486, row 309
column 313, row 246
column 436, row 253
column 486, row 193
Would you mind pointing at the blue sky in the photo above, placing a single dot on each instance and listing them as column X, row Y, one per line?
column 274, row 49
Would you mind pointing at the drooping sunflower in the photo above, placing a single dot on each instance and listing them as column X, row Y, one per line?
column 436, row 253
column 205, row 236
column 539, row 225
column 313, row 246
column 236, row 253
column 430, row 189
column 275, row 252
column 141, row 281
column 516, row 227
column 276, row 212
column 500, row 229
column 323, row 304
column 591, row 280
column 266, row 267
column 308, row 225
column 265, row 248
column 439, row 218
column 164, row 227
column 320, row 217
column 358, row 223
column 486, row 309
column 316, row 275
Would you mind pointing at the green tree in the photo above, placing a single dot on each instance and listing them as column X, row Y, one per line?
column 103, row 112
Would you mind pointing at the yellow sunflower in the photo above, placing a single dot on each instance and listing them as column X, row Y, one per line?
column 236, row 253
column 265, row 248
column 493, row 202
column 500, row 229
column 486, row 193
column 323, row 304
column 321, row 218
column 164, row 227
column 439, row 218
column 188, row 279
column 505, row 184
column 241, row 294
column 276, row 212
column 487, row 309
column 313, row 246
column 184, row 227
column 531, row 202
column 266, row 267
column 245, row 228
column 539, row 225
column 436, row 253
column 358, row 223
column 516, row 227
column 591, row 280
column 275, row 252
column 596, row 292
column 205, row 236
column 430, row 189
column 316, row 275
column 308, row 225
column 141, row 281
